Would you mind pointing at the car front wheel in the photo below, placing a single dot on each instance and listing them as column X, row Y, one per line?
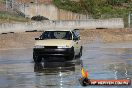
column 37, row 59
column 80, row 53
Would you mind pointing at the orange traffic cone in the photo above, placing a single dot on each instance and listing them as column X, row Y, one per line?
column 84, row 81
column 84, row 74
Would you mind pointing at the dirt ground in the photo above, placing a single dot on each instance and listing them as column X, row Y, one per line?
column 107, row 35
column 26, row 40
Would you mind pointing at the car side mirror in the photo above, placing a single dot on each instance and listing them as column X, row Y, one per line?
column 37, row 39
column 75, row 38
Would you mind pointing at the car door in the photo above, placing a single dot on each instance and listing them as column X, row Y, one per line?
column 76, row 40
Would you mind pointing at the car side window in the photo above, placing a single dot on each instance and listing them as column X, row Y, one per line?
column 75, row 35
column 45, row 35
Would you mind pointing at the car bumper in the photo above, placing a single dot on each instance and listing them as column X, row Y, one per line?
column 62, row 52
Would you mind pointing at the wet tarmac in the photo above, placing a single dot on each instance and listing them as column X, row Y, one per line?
column 102, row 60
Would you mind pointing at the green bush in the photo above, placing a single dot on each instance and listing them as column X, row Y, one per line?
column 68, row 5
column 96, row 8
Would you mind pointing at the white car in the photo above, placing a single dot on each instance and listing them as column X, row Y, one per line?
column 57, row 43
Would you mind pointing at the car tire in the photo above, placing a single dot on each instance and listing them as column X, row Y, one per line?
column 80, row 53
column 37, row 59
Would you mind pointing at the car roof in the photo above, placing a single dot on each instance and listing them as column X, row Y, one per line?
column 61, row 29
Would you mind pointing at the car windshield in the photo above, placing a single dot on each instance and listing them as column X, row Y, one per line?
column 57, row 35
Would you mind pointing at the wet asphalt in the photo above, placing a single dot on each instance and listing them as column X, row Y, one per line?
column 101, row 60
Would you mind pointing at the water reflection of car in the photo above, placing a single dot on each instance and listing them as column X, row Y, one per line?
column 57, row 74
column 57, row 43
column 56, row 67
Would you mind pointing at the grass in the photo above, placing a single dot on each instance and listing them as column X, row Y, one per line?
column 2, row 1
column 91, row 7
column 97, row 9
column 8, row 16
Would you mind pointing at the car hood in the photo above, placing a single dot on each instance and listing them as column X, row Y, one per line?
column 54, row 42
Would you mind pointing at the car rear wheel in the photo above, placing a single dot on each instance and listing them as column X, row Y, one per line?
column 37, row 59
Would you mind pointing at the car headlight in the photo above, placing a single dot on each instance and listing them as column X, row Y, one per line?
column 38, row 46
column 63, row 46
